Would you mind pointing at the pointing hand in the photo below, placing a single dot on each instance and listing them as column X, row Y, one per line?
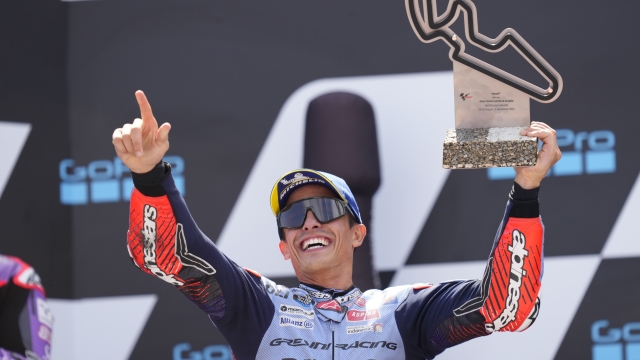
column 141, row 145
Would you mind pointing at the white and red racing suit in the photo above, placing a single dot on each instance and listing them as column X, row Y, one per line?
column 263, row 320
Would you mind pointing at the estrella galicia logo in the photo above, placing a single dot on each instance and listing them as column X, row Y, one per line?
column 305, row 300
column 105, row 181
column 582, row 153
column 615, row 343
column 212, row 352
column 464, row 96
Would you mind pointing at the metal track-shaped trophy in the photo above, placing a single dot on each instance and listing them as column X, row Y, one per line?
column 492, row 106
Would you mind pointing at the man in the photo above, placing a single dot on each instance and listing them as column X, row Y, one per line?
column 25, row 318
column 327, row 317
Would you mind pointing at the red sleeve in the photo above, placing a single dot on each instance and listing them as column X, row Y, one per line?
column 516, row 277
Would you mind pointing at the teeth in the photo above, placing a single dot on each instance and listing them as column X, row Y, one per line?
column 315, row 241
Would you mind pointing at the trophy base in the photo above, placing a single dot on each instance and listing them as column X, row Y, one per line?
column 488, row 147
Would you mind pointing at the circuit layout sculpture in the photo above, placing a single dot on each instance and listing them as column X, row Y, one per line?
column 431, row 27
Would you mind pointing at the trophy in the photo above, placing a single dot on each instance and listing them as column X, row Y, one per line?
column 491, row 105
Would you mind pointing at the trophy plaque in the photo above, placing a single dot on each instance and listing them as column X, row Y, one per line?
column 491, row 105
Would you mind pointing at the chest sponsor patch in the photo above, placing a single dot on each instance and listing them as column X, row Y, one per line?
column 362, row 315
column 349, row 297
column 374, row 328
column 361, row 302
column 318, row 294
column 294, row 310
column 305, row 300
column 296, row 322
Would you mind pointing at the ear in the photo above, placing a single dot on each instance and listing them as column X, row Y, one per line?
column 359, row 231
column 284, row 249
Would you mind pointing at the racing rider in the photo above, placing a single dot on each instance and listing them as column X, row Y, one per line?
column 25, row 318
column 326, row 316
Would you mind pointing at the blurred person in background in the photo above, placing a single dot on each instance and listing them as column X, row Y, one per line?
column 319, row 226
column 25, row 317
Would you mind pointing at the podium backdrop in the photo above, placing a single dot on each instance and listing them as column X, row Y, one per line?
column 235, row 80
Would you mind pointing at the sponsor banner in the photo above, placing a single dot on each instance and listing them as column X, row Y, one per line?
column 583, row 153
column 183, row 351
column 105, row 181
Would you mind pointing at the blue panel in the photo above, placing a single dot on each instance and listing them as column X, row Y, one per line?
column 217, row 352
column 570, row 164
column 179, row 180
column 501, row 173
column 105, row 191
column 127, row 188
column 607, row 352
column 73, row 193
column 633, row 351
column 599, row 162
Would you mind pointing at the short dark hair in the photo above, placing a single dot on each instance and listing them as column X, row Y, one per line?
column 352, row 220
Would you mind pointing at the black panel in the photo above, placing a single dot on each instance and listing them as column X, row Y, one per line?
column 614, row 296
column 34, row 226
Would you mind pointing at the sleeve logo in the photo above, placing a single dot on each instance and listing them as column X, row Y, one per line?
column 149, row 234
column 518, row 254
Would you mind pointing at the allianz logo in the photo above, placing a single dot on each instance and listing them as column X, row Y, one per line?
column 582, row 153
column 212, row 352
column 105, row 181
column 615, row 343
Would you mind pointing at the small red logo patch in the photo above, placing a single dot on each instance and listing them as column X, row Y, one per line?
column 361, row 302
column 330, row 305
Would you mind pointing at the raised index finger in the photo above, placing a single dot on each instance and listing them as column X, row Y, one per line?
column 145, row 108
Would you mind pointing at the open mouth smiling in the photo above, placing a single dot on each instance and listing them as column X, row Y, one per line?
column 314, row 243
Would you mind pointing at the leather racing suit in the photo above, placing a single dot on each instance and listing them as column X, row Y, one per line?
column 263, row 320
column 25, row 318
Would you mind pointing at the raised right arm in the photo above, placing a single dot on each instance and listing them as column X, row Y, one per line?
column 164, row 240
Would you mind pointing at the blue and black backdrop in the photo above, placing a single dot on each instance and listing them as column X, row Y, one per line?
column 235, row 79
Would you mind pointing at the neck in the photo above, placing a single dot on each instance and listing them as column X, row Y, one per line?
column 333, row 278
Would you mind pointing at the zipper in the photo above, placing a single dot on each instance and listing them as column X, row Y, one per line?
column 332, row 340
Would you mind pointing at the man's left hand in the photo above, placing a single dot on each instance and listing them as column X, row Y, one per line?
column 529, row 177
